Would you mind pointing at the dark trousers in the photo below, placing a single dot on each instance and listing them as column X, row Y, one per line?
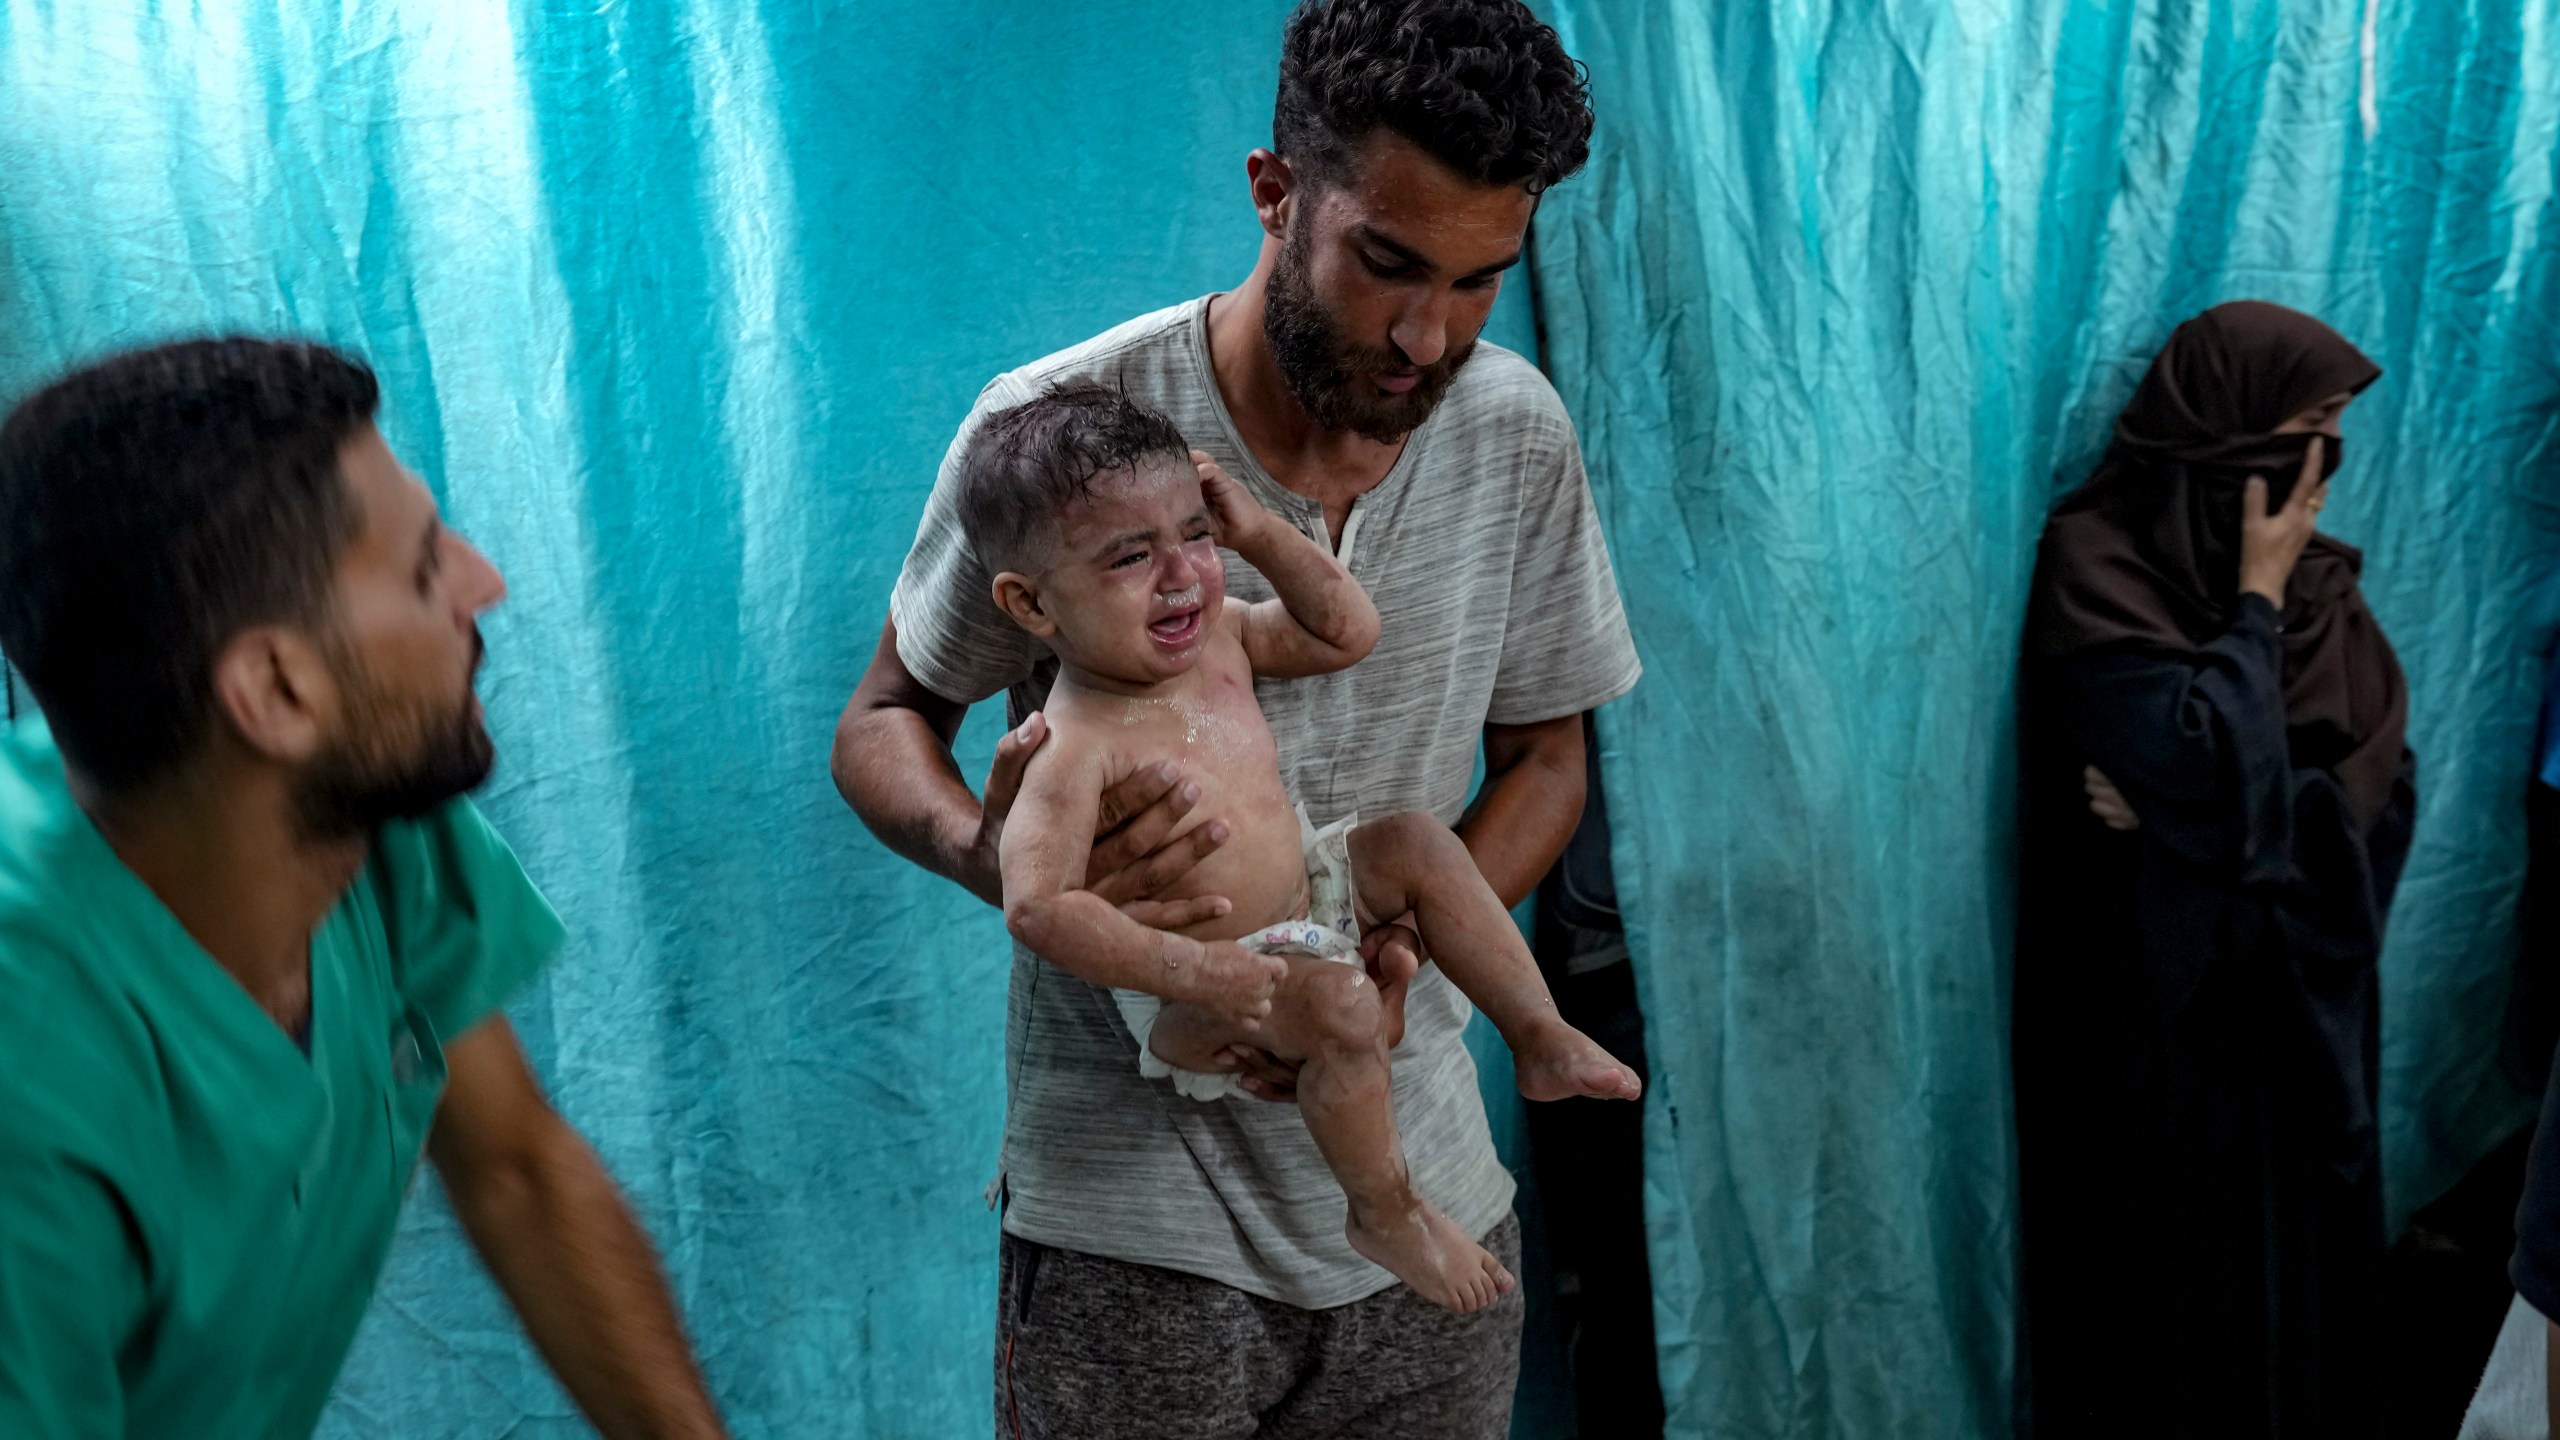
column 2533, row 1006
column 1589, row 1157
column 1089, row 1348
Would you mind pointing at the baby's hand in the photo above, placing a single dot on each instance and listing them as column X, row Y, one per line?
column 1222, row 977
column 1238, row 514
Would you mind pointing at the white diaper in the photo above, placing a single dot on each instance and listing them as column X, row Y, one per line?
column 1330, row 931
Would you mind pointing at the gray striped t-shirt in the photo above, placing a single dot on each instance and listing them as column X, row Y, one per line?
column 1484, row 556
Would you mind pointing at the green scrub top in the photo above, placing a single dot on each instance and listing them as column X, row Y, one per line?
column 192, row 1211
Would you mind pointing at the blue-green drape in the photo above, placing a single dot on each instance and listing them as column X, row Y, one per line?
column 676, row 305
column 1851, row 292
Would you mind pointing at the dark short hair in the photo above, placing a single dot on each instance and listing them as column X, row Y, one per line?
column 1032, row 460
column 152, row 506
column 1483, row 86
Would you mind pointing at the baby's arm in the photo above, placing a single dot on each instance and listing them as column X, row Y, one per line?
column 1322, row 621
column 1047, row 839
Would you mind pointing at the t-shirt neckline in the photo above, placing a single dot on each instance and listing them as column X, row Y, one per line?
column 1196, row 328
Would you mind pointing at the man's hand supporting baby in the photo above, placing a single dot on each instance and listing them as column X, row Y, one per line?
column 1090, row 938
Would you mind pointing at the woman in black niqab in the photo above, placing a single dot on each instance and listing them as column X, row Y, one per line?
column 2218, row 798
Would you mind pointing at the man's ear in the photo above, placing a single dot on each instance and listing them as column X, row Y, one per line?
column 1018, row 597
column 1274, row 187
column 274, row 688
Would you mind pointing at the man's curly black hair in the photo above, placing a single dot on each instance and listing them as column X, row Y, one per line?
column 1483, row 86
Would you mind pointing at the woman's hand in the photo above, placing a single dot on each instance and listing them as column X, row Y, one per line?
column 2106, row 801
column 2270, row 544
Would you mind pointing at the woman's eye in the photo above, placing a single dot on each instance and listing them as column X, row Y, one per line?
column 1134, row 557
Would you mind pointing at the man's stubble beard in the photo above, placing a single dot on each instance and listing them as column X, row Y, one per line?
column 1329, row 374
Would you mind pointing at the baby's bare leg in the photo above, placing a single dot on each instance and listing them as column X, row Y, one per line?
column 1412, row 862
column 1327, row 1014
column 1190, row 1038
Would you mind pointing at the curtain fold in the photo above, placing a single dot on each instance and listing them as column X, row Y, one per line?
column 1850, row 294
column 676, row 307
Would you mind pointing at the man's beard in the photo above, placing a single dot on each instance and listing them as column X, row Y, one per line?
column 1330, row 374
column 395, row 761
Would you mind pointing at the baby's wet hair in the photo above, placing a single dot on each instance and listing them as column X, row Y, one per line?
column 1030, row 461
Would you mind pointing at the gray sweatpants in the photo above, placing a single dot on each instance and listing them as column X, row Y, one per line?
column 1089, row 1348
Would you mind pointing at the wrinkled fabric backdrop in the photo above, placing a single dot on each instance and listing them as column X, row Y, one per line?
column 1851, row 293
column 677, row 304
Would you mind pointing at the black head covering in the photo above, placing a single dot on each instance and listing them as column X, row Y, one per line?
column 2148, row 552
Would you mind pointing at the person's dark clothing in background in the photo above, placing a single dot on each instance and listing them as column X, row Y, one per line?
column 2533, row 1009
column 2535, row 1270
column 2196, row 1014
column 1589, row 1156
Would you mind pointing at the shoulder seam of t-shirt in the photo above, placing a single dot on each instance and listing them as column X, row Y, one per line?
column 1085, row 356
column 1551, row 707
column 929, row 671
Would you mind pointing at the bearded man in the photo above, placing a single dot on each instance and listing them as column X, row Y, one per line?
column 252, row 941
column 1171, row 1267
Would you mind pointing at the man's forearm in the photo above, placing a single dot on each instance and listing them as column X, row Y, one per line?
column 897, row 773
column 1529, row 806
column 564, row 1247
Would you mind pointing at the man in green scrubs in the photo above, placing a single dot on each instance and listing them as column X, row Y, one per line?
column 252, row 942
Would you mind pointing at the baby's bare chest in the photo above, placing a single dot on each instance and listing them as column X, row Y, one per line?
column 1217, row 735
column 1217, row 725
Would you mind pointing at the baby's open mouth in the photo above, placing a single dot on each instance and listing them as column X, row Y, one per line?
column 1176, row 630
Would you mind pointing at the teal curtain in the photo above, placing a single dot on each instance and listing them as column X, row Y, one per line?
column 676, row 306
column 1850, row 294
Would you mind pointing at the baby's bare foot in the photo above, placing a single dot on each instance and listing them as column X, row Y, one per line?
column 1223, row 978
column 1555, row 1062
column 1427, row 1251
